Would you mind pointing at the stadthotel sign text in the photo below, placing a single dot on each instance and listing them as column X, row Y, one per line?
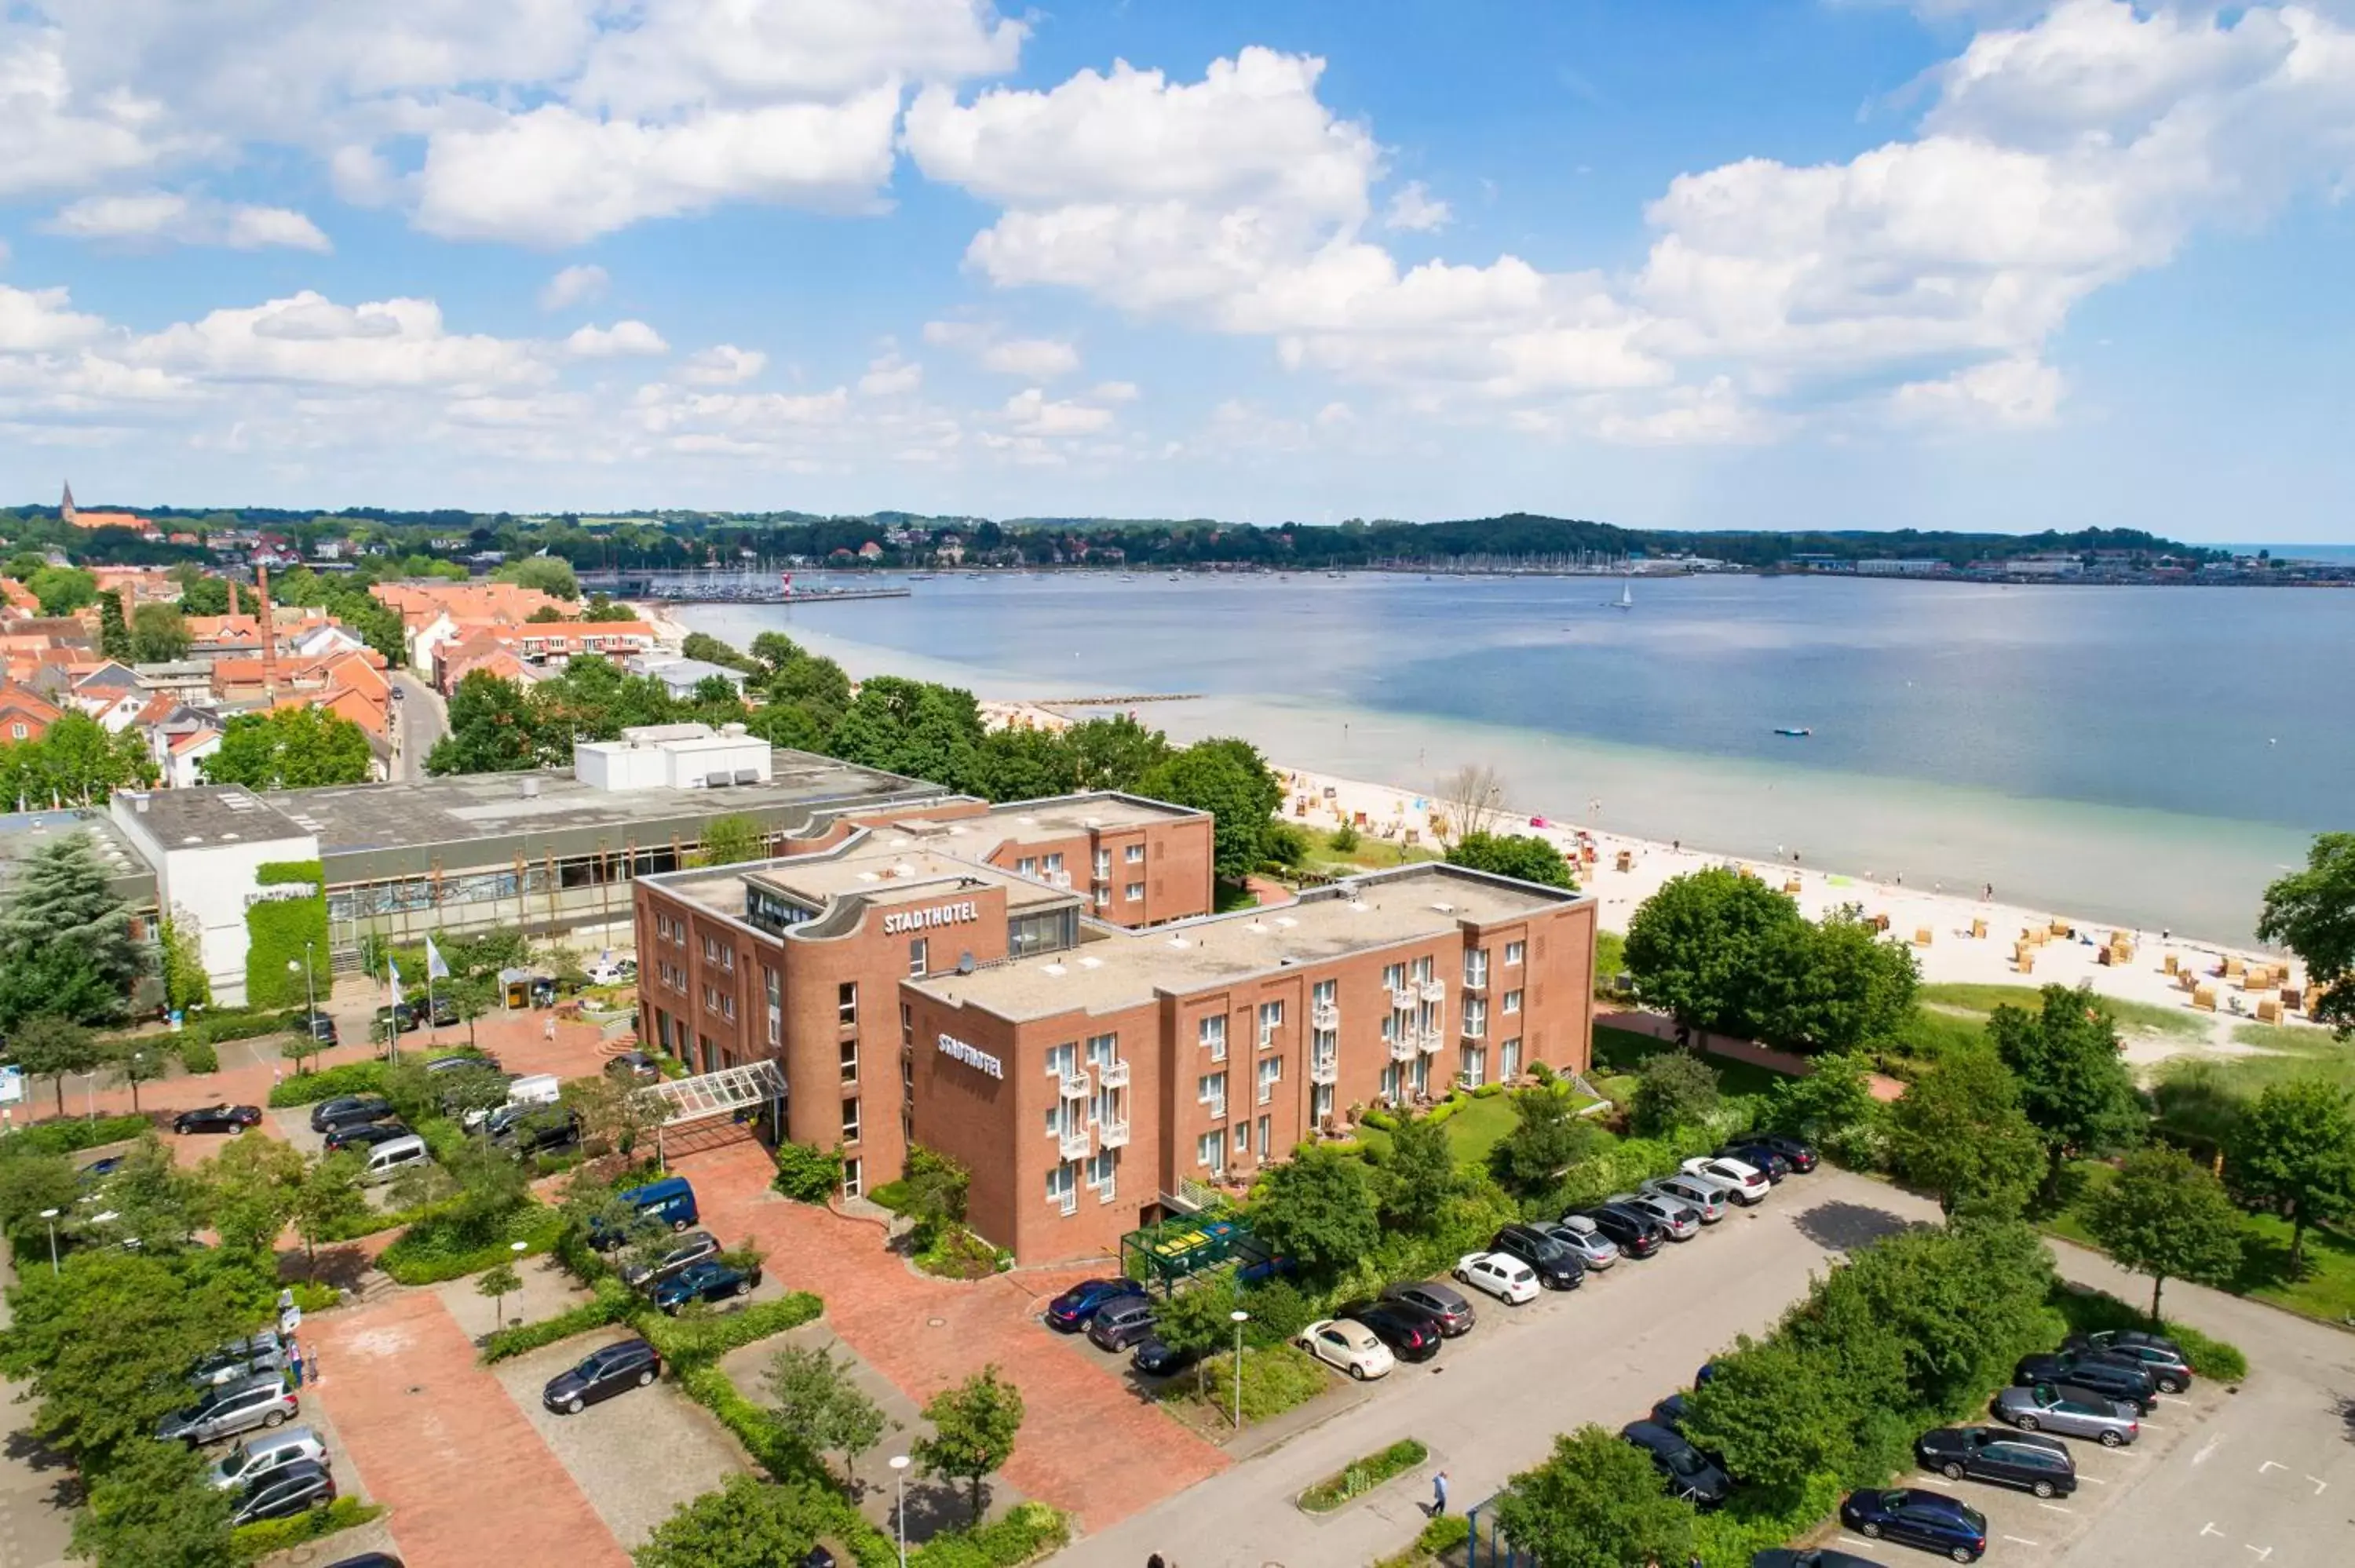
column 939, row 914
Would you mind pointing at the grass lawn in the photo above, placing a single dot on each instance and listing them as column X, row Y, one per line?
column 2134, row 1017
column 1619, row 1054
column 1369, row 853
column 1473, row 1131
column 2327, row 1290
column 2290, row 1052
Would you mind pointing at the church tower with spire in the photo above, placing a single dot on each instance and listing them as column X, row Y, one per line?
column 65, row 507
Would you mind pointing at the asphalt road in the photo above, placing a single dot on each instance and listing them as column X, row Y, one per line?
column 422, row 720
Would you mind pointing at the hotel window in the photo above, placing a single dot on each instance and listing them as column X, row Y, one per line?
column 917, row 951
column 710, row 1053
column 1513, row 952
column 775, row 987
column 1027, row 866
column 1394, row 976
column 845, row 1002
column 1063, row 1060
column 1212, row 1033
column 1210, row 1152
column 1061, row 1182
column 1390, row 1082
column 1266, row 1128
column 1512, row 1002
column 1103, row 1050
column 1475, row 1066
column 1324, row 991
column 1100, row 1169
column 1423, row 966
column 1271, row 1073
column 1135, row 893
column 1104, row 865
column 727, row 1005
column 1052, row 863
column 1134, row 854
column 1509, row 1060
column 1270, row 1019
column 1243, row 1138
column 907, row 1027
column 1475, row 1017
column 850, row 1119
column 850, row 1061
column 1211, row 1089
column 1104, row 895
column 18, row 731
column 1320, row 1103
column 1475, row 966
column 850, row 1183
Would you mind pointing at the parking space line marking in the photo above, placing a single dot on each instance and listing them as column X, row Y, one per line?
column 2171, row 1399
column 2318, row 1484
column 2149, row 1425
column 2210, row 1528
column 2056, row 1507
column 2205, row 1449
column 1852, row 1541
column 2270, row 1465
column 2262, row 1552
column 2022, row 1541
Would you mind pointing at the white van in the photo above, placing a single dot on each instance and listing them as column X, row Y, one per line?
column 391, row 1158
column 523, row 1092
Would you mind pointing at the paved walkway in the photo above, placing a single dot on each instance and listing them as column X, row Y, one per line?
column 1089, row 1444
column 437, row 1439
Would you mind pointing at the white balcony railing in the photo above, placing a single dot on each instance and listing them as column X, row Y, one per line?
column 1112, row 1074
column 1110, row 1189
column 1325, row 1067
column 1403, row 998
column 1218, row 1109
column 1073, row 1140
column 1325, row 1015
column 1475, row 980
column 1076, row 1087
column 1428, row 1041
column 1435, row 991
column 1474, row 1028
column 1112, row 1134
column 1402, row 1045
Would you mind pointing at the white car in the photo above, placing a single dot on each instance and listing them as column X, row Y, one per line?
column 1705, row 1195
column 612, row 972
column 1500, row 1274
column 1680, row 1219
column 1578, row 1233
column 1336, row 1342
column 1747, row 1185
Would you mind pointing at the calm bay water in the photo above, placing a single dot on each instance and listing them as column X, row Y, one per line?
column 2149, row 756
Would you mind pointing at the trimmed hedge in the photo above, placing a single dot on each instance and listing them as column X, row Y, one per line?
column 1028, row 1532
column 2091, row 1312
column 612, row 1303
column 72, row 1135
column 699, row 1341
column 256, row 1541
column 310, row 1088
column 197, row 1054
column 1360, row 1476
column 431, row 1254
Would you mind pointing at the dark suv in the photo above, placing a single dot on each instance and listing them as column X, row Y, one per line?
column 1121, row 1322
column 1411, row 1334
column 349, row 1108
column 2027, row 1459
column 1760, row 1156
column 1638, row 1234
column 1801, row 1154
column 2111, row 1379
column 2163, row 1358
column 1557, row 1267
column 1689, row 1474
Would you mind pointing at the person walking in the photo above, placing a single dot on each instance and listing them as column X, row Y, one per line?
column 294, row 1361
column 1438, row 1496
column 548, row 1030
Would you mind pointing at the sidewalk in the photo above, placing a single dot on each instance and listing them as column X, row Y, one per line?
column 34, row 1529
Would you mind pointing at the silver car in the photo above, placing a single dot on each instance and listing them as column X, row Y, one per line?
column 239, row 1360
column 1578, row 1233
column 265, row 1453
column 1681, row 1220
column 2074, row 1412
column 1705, row 1195
column 236, row 1407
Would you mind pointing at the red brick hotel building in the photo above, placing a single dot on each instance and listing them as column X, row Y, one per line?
column 1040, row 991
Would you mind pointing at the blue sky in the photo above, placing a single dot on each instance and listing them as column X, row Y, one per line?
column 1846, row 263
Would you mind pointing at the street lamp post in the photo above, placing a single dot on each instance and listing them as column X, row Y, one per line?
column 899, row 1514
column 1241, row 1317
column 51, row 1216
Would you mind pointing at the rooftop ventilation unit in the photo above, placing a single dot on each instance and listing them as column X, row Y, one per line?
column 719, row 779
column 1056, row 969
column 1444, row 908
column 746, row 775
column 964, row 963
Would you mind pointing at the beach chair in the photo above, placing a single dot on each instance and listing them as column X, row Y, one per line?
column 2203, row 997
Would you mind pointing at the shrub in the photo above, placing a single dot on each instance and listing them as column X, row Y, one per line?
column 1362, row 1476
column 219, row 1024
column 2091, row 1312
column 444, row 1246
column 1276, row 1379
column 71, row 1136
column 1343, row 838
column 1673, row 1090
column 776, row 1450
column 314, row 1296
column 698, row 1341
column 1378, row 1117
column 1543, row 1074
column 808, row 1175
column 197, row 1053
column 1278, row 1309
column 255, row 1542
column 1445, row 1108
column 310, row 1088
column 1028, row 1532
column 1488, row 1091
column 612, row 1302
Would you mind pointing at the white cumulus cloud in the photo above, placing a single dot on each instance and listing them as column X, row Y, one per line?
column 623, row 337
column 722, row 364
column 171, row 218
column 1415, row 209
column 572, row 286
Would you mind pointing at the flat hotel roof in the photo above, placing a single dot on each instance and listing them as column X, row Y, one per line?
column 1115, row 970
column 882, row 866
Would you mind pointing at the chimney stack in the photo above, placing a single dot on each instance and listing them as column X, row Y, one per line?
column 269, row 638
column 232, row 596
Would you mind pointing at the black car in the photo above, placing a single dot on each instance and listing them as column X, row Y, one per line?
column 399, row 1016
column 634, row 1067
column 692, row 1247
column 1556, row 1267
column 1442, row 1302
column 284, row 1492
column 1154, row 1358
column 1671, row 1412
column 458, row 1060
column 1071, row 1309
column 601, row 1374
column 349, row 1108
column 1689, row 1474
column 1638, row 1234
column 1801, row 1154
column 549, row 1129
column 217, row 1119
column 1760, row 1156
column 443, row 1012
column 2110, row 1379
column 1931, row 1520
column 363, row 1134
column 319, row 1026
column 370, row 1559
column 1808, row 1557
column 2027, row 1459
column 2170, row 1369
column 1412, row 1335
column 711, row 1281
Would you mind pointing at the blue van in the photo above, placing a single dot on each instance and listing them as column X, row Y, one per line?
column 670, row 1200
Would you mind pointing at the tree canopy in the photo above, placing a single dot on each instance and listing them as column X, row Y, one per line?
column 1595, row 1502
column 549, row 574
column 65, row 946
column 2165, row 1215
column 290, row 749
column 1229, row 780
column 2074, row 1088
column 1316, row 1209
column 744, row 1524
column 2296, row 1150
column 974, row 1427
column 1960, row 1135
column 1513, row 854
column 2312, row 913
column 74, row 762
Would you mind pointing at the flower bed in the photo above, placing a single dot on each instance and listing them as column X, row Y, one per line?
column 1356, row 1479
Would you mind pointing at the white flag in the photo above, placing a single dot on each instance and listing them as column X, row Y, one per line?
column 394, row 970
column 435, row 968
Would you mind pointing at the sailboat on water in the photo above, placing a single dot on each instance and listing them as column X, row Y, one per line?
column 1626, row 600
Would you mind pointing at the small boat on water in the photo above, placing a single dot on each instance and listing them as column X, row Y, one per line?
column 1626, row 600
column 1794, row 731
column 1126, row 578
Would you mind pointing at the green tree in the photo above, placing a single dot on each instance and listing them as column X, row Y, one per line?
column 1546, row 1140
column 1779, row 1415
column 1199, row 1319
column 113, row 633
column 1673, row 1090
column 1316, row 1209
column 974, row 1427
column 2165, row 1215
column 473, row 997
column 817, row 1400
column 498, row 1283
column 710, row 649
column 138, row 1061
column 745, row 1524
column 159, row 634
column 185, row 983
column 1025, row 765
column 2296, row 1150
column 1418, row 1176
column 602, row 608
column 155, row 1204
column 45, row 1046
column 156, row 1509
column 732, row 839
column 1837, row 1097
column 494, row 728
column 201, row 595
column 1233, row 783
column 74, row 762
column 1834, row 985
column 776, row 649
column 250, row 1190
column 936, row 1188
column 912, row 727
column 550, row 575
column 1513, row 854
column 1595, row 1502
column 62, row 589
column 331, row 1197
column 1114, row 753
column 819, row 687
column 290, row 749
column 1960, row 1135
column 1958, row 1306
column 67, row 937
column 614, row 1116
column 2312, row 913
column 1696, row 947
column 2073, row 1083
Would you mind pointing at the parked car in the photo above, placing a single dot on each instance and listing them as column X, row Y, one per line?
column 2169, row 1368
column 1446, row 1306
column 1705, row 1195
column 1801, row 1154
column 1557, row 1266
column 612, row 972
column 239, row 1360
column 1120, row 1324
column 2048, row 1407
column 1689, row 1474
column 1745, row 1185
column 223, row 1117
column 442, row 1012
column 2027, row 1459
column 1070, row 1312
column 1639, row 1235
column 458, row 1060
column 602, row 1374
column 1154, row 1358
column 259, row 1455
column 1352, row 1347
column 692, row 1247
column 1412, row 1335
column 1594, row 1249
column 669, row 1201
column 1671, row 1412
column 1679, row 1220
column 1915, row 1517
column 285, row 1492
column 370, row 1559
column 398, row 1016
column 349, row 1108
column 634, row 1067
column 711, row 1281
column 537, row 1129
column 1759, row 1158
column 262, row 1400
column 1779, row 1557
column 2110, row 1379
column 1501, row 1274
column 319, row 1026
column 364, row 1135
